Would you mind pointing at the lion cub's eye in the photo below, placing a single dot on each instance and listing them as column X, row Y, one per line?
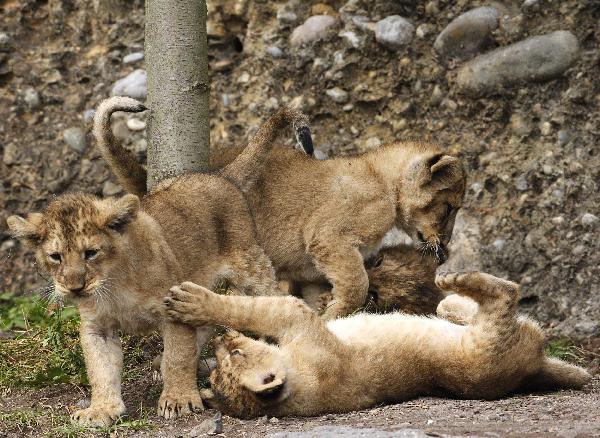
column 90, row 253
column 55, row 257
column 236, row 352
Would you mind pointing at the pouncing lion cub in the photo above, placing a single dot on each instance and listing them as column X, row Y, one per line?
column 115, row 258
column 365, row 360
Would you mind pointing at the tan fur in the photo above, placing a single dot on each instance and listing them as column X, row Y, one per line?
column 317, row 220
column 365, row 360
column 400, row 278
column 118, row 257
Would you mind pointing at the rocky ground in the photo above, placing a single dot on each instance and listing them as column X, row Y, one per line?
column 512, row 86
column 566, row 414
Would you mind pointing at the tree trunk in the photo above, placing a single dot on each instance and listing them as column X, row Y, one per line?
column 178, row 88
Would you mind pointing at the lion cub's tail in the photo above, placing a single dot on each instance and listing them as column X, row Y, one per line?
column 557, row 374
column 129, row 172
column 248, row 165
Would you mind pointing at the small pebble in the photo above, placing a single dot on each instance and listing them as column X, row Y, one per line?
column 31, row 98
column 563, row 137
column 313, row 29
column 75, row 137
column 338, row 95
column 578, row 250
column 546, row 128
column 394, row 32
column 589, row 220
column 499, row 244
column 4, row 41
column 88, row 115
column 286, row 17
column 521, row 183
column 274, row 51
column 133, row 85
column 558, row 220
column 133, row 57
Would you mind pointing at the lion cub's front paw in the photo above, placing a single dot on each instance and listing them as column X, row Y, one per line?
column 98, row 416
column 189, row 308
column 174, row 406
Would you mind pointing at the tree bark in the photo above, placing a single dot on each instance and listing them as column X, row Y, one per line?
column 178, row 88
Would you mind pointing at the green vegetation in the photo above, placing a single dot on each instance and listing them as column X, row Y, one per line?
column 45, row 348
column 565, row 349
column 60, row 425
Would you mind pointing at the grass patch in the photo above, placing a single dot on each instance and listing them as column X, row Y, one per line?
column 45, row 347
column 59, row 425
column 565, row 349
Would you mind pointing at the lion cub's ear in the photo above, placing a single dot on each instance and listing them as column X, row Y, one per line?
column 121, row 211
column 442, row 171
column 264, row 385
column 29, row 230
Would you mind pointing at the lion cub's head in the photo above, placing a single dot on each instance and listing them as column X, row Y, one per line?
column 76, row 240
column 403, row 278
column 431, row 193
column 249, row 378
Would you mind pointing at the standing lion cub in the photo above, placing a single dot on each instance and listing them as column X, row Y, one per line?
column 365, row 360
column 115, row 258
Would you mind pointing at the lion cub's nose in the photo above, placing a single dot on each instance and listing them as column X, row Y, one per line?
column 77, row 290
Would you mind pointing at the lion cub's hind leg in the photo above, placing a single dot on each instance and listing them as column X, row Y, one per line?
column 493, row 294
column 457, row 309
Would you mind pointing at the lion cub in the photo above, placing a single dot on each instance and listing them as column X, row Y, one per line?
column 115, row 258
column 401, row 278
column 319, row 220
column 365, row 360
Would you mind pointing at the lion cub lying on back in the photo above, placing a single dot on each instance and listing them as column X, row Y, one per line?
column 364, row 360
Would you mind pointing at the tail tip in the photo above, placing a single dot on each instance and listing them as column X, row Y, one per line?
column 304, row 138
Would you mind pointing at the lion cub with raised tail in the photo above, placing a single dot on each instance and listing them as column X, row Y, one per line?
column 115, row 258
column 365, row 360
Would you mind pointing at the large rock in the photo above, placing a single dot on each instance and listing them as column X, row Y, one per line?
column 394, row 32
column 313, row 29
column 466, row 34
column 534, row 59
column 465, row 245
column 133, row 85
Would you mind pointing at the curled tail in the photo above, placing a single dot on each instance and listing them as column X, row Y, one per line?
column 248, row 165
column 129, row 172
